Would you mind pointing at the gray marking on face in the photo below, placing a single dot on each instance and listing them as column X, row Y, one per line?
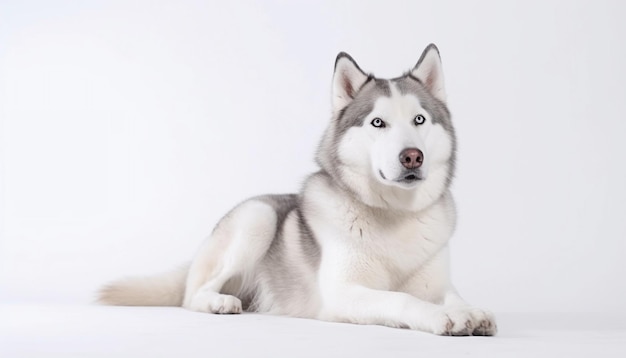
column 353, row 115
column 362, row 105
column 410, row 85
column 437, row 109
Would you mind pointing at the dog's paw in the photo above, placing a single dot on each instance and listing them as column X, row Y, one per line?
column 225, row 304
column 215, row 303
column 464, row 321
column 453, row 322
column 484, row 323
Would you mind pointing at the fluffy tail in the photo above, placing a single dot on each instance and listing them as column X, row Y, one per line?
column 166, row 289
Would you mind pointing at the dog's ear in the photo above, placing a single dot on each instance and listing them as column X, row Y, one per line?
column 429, row 71
column 347, row 81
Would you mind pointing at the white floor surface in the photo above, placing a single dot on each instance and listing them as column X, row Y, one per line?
column 97, row 331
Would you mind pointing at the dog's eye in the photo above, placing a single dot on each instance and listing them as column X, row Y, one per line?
column 419, row 119
column 378, row 123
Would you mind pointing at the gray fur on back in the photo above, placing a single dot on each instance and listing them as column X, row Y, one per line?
column 280, row 277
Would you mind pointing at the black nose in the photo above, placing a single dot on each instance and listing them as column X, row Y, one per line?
column 412, row 158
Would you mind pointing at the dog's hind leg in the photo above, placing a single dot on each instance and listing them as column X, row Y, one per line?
column 228, row 256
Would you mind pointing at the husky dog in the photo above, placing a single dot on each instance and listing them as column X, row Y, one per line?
column 366, row 239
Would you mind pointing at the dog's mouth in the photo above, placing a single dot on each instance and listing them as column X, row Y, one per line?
column 408, row 177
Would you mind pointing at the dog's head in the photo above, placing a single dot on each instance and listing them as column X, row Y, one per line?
column 390, row 142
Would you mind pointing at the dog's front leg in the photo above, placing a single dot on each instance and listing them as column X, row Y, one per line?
column 359, row 304
column 432, row 284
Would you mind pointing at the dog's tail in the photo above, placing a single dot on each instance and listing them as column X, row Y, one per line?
column 166, row 289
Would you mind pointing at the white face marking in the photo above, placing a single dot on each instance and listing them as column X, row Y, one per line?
column 384, row 144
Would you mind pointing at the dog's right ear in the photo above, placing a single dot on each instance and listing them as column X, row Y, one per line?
column 347, row 81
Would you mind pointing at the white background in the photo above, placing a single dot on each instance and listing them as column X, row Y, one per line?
column 128, row 128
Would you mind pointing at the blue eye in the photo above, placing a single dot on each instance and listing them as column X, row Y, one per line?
column 378, row 123
column 419, row 119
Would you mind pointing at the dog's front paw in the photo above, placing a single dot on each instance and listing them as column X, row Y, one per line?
column 484, row 323
column 464, row 321
column 453, row 322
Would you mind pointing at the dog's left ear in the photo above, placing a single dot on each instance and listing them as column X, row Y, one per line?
column 429, row 71
column 347, row 81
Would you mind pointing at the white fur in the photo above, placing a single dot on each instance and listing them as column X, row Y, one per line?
column 166, row 289
column 234, row 249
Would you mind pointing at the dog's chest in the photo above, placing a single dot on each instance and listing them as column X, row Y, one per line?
column 392, row 248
